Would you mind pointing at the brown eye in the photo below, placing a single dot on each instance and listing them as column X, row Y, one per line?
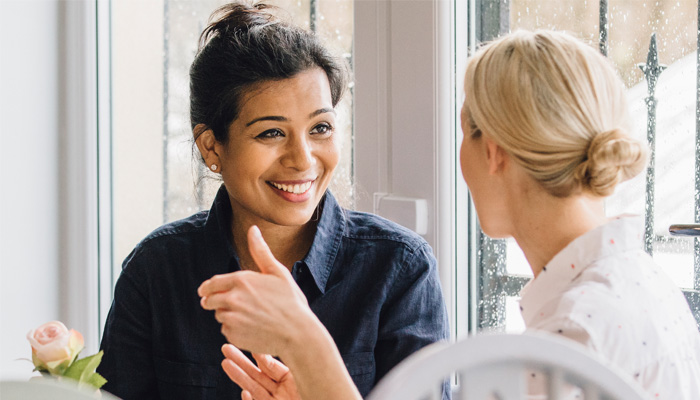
column 270, row 133
column 322, row 129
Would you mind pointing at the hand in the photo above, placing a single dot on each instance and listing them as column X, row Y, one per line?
column 270, row 380
column 266, row 312
column 260, row 312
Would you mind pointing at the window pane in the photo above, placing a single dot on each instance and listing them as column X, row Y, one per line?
column 575, row 16
column 673, row 189
column 157, row 176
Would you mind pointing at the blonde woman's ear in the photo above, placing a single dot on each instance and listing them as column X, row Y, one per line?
column 208, row 147
column 496, row 157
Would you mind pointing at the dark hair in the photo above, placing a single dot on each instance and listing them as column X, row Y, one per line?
column 244, row 45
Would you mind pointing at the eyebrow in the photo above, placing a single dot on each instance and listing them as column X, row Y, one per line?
column 284, row 119
column 321, row 111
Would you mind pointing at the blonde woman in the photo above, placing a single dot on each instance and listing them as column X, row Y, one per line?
column 545, row 142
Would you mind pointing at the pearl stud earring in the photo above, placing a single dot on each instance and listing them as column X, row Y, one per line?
column 214, row 167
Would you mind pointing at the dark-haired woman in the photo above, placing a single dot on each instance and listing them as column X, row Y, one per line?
column 263, row 97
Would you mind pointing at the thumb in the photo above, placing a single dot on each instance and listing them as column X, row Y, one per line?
column 262, row 255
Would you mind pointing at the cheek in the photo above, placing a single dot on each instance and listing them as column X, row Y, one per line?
column 462, row 160
column 466, row 161
column 248, row 163
column 330, row 156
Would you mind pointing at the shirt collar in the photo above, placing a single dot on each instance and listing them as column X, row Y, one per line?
column 618, row 235
column 222, row 255
column 319, row 259
column 324, row 248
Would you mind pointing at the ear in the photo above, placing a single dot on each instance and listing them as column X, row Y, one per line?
column 495, row 155
column 208, row 146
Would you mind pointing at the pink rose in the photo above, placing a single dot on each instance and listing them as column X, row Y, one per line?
column 54, row 347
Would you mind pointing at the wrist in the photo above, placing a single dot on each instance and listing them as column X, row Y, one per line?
column 315, row 362
column 306, row 329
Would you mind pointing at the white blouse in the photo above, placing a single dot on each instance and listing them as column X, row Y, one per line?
column 604, row 291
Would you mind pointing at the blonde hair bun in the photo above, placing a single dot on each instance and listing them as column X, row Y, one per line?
column 557, row 107
column 612, row 157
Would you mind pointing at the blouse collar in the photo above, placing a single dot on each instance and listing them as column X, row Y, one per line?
column 619, row 234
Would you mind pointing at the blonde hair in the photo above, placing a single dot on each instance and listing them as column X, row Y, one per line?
column 557, row 107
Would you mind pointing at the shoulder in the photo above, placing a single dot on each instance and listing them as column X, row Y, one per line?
column 373, row 228
column 192, row 224
column 385, row 247
column 179, row 235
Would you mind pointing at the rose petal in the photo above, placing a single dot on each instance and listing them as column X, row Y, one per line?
column 51, row 344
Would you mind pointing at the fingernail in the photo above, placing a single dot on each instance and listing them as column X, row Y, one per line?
column 200, row 289
column 256, row 232
column 203, row 301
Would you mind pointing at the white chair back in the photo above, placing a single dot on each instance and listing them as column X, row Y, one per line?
column 498, row 367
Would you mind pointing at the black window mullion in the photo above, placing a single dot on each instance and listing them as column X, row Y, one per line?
column 603, row 27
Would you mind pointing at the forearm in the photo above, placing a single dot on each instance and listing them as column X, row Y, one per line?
column 318, row 368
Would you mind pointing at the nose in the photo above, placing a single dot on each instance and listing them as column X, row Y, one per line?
column 298, row 153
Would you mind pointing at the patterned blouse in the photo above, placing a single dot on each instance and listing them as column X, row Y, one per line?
column 604, row 291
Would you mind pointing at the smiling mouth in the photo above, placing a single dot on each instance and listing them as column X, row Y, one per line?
column 297, row 188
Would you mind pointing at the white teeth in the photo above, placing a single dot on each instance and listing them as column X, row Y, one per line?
column 296, row 189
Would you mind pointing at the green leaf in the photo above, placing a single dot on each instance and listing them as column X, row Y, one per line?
column 83, row 371
column 96, row 380
column 91, row 366
column 76, row 369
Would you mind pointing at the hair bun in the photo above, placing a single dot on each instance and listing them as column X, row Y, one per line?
column 612, row 157
column 237, row 16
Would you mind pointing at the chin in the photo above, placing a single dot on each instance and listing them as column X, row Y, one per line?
column 293, row 219
column 494, row 232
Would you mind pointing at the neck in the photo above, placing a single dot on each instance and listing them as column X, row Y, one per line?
column 288, row 244
column 547, row 224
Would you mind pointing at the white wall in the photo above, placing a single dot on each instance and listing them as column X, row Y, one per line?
column 29, row 175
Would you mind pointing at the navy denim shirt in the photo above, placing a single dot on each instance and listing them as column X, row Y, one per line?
column 372, row 283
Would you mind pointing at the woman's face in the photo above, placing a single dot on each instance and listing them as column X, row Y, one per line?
column 484, row 189
column 471, row 159
column 282, row 150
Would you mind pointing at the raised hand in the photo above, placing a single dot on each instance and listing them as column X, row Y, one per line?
column 257, row 311
column 265, row 312
column 269, row 380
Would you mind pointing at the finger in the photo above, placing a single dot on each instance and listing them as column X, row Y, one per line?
column 234, row 354
column 245, row 395
column 225, row 317
column 262, row 255
column 217, row 283
column 224, row 282
column 271, row 367
column 218, row 301
column 244, row 381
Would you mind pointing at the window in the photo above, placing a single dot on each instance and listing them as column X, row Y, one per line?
column 668, row 193
column 156, row 176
